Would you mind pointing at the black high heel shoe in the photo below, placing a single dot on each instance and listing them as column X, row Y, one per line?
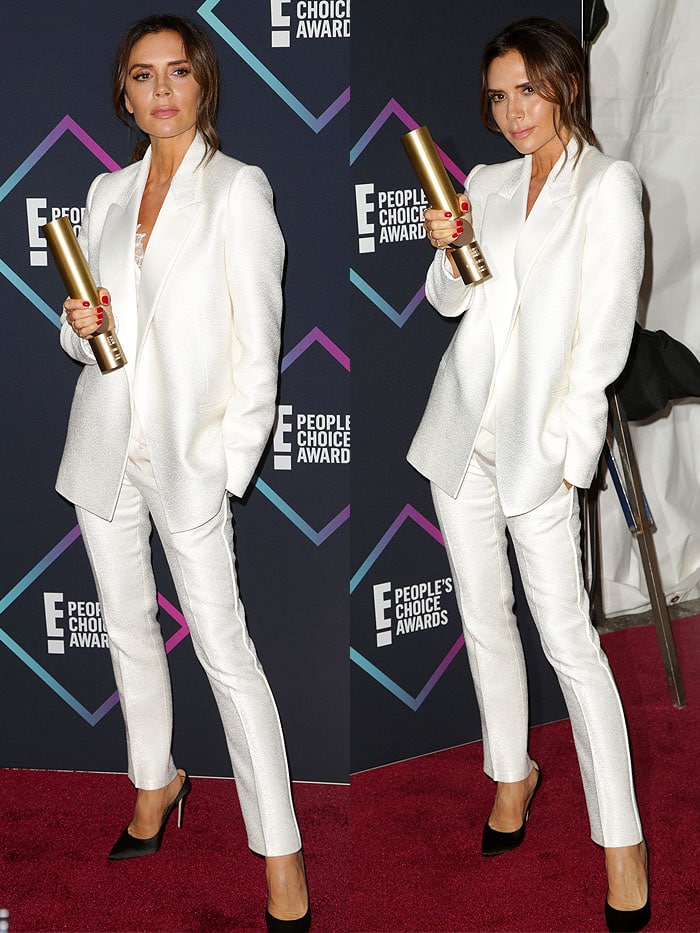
column 128, row 846
column 494, row 842
column 629, row 921
column 298, row 925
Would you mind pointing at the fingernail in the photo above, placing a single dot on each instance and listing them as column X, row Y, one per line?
column 454, row 236
column 86, row 304
column 448, row 213
column 99, row 317
column 465, row 206
column 105, row 299
column 460, row 224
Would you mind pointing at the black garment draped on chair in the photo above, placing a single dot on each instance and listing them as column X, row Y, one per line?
column 659, row 369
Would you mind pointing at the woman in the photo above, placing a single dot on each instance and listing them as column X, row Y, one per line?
column 516, row 421
column 188, row 242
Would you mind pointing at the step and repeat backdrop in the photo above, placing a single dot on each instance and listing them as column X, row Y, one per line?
column 285, row 69
column 345, row 195
column 413, row 63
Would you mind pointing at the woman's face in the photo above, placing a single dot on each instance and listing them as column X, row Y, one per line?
column 526, row 120
column 160, row 89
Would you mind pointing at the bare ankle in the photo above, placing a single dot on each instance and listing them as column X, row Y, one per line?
column 626, row 867
column 286, row 881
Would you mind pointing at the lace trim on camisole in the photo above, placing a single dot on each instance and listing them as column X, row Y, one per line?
column 138, row 247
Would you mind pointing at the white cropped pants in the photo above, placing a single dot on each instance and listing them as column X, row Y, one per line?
column 546, row 542
column 202, row 565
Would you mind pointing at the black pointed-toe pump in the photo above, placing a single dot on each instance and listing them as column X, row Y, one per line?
column 128, row 846
column 494, row 842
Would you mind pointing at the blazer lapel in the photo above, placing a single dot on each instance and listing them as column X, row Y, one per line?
column 175, row 220
column 116, row 261
column 504, row 214
column 548, row 211
column 169, row 233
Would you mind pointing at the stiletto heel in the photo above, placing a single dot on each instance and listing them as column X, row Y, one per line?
column 629, row 921
column 128, row 846
column 494, row 842
column 181, row 808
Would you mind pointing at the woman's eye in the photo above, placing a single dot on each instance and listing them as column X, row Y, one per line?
column 141, row 76
column 495, row 98
column 181, row 72
column 529, row 89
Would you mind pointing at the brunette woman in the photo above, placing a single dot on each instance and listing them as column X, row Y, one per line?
column 187, row 241
column 516, row 422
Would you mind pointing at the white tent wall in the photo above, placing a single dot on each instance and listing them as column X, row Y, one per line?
column 645, row 92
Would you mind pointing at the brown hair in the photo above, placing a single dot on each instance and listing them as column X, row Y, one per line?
column 205, row 70
column 554, row 63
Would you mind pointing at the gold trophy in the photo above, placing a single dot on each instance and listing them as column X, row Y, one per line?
column 441, row 195
column 80, row 284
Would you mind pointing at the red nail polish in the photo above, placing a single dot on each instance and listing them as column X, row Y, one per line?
column 104, row 300
column 99, row 317
column 86, row 304
column 448, row 213
column 460, row 224
column 465, row 206
column 454, row 236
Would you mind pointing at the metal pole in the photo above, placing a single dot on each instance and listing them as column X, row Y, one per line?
column 657, row 598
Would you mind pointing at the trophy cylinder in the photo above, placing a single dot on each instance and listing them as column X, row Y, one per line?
column 79, row 283
column 441, row 195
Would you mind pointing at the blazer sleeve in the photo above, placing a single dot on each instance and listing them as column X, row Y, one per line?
column 611, row 275
column 254, row 250
column 75, row 346
column 448, row 295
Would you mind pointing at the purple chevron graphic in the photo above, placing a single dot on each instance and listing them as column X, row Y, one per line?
column 92, row 718
column 315, row 335
column 393, row 109
column 66, row 125
column 408, row 512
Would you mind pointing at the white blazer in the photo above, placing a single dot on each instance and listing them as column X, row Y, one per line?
column 569, row 278
column 203, row 348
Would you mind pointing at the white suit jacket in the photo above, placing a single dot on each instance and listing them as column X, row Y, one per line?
column 568, row 277
column 203, row 349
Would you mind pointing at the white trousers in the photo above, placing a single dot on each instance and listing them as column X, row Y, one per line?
column 546, row 542
column 202, row 564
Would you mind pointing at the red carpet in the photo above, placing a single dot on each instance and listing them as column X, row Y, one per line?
column 416, row 826
column 58, row 827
